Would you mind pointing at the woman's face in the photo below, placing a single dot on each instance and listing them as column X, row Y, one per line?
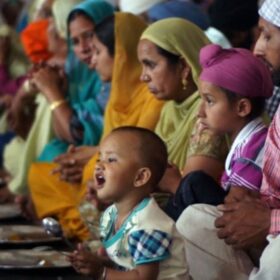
column 163, row 79
column 81, row 31
column 102, row 61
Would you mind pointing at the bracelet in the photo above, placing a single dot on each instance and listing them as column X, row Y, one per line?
column 57, row 103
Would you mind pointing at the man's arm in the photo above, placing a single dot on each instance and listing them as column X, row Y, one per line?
column 244, row 224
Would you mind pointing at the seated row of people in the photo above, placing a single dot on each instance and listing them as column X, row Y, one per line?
column 194, row 113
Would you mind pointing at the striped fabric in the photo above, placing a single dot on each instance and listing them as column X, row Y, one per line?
column 244, row 162
column 273, row 102
column 270, row 189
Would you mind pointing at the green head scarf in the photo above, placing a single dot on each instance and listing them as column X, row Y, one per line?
column 179, row 37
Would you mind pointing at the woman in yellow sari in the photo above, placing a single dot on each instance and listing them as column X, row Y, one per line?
column 130, row 103
column 169, row 52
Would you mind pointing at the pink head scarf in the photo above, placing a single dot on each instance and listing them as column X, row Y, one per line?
column 237, row 70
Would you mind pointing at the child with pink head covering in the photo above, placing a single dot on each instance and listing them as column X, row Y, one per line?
column 233, row 86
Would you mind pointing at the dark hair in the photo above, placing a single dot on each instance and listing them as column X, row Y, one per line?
column 152, row 150
column 233, row 18
column 257, row 103
column 77, row 13
column 105, row 32
column 10, row 11
column 172, row 59
column 74, row 15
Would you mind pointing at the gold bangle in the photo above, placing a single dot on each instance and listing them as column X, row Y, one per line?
column 57, row 103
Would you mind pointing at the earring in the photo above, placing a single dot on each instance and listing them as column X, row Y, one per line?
column 184, row 83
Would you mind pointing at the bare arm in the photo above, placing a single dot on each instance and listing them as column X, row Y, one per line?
column 22, row 106
column 206, row 152
column 49, row 82
column 172, row 176
column 209, row 165
column 61, row 119
column 93, row 265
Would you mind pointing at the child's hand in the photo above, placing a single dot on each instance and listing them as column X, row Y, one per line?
column 86, row 262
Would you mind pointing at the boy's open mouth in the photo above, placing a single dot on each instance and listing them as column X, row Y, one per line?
column 99, row 179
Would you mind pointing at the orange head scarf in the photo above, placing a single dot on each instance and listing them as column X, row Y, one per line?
column 35, row 41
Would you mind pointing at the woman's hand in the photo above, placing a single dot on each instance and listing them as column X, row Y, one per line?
column 71, row 163
column 6, row 101
column 23, row 106
column 49, row 81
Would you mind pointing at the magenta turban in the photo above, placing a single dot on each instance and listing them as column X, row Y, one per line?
column 237, row 70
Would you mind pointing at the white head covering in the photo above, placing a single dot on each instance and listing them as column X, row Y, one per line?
column 270, row 11
column 61, row 10
column 137, row 7
column 217, row 37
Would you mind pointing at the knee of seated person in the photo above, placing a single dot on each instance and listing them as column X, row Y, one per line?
column 269, row 258
column 185, row 218
column 194, row 216
column 195, row 176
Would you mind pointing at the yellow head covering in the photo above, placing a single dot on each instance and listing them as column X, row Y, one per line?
column 130, row 101
column 180, row 37
column 177, row 121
